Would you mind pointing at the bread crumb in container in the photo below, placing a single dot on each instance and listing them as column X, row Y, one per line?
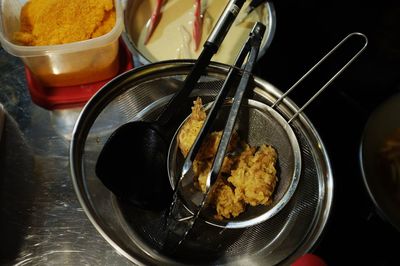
column 50, row 22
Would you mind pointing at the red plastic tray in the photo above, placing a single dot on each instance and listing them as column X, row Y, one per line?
column 72, row 96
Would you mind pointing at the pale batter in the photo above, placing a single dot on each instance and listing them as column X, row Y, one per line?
column 173, row 39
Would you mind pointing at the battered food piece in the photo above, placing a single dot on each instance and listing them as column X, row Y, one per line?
column 255, row 177
column 201, row 168
column 245, row 179
column 189, row 131
column 225, row 200
column 50, row 22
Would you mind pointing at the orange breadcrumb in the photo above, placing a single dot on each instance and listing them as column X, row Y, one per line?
column 49, row 22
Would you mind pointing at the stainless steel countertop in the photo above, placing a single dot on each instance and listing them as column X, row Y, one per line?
column 42, row 222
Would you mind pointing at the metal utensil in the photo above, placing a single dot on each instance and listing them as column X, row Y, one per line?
column 147, row 142
column 198, row 18
column 281, row 136
column 177, row 228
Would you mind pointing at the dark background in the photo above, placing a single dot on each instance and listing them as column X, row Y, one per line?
column 305, row 31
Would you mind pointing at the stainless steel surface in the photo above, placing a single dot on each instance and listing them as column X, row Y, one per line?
column 136, row 233
column 42, row 222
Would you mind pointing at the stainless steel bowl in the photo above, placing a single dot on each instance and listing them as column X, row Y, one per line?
column 135, row 23
column 257, row 124
column 381, row 185
column 141, row 94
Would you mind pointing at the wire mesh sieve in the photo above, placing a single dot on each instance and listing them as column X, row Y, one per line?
column 142, row 94
column 257, row 124
column 207, row 242
column 274, row 131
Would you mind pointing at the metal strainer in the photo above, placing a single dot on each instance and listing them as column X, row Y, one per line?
column 135, row 233
column 142, row 94
column 258, row 124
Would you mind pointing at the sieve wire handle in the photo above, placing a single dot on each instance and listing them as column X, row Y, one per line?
column 365, row 39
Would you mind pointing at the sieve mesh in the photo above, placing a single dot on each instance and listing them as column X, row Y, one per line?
column 214, row 241
column 256, row 124
column 271, row 242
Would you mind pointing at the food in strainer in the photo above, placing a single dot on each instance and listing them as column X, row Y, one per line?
column 248, row 177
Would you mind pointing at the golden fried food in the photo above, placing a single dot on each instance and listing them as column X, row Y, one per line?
column 189, row 131
column 201, row 168
column 255, row 177
column 226, row 202
column 247, row 178
column 210, row 145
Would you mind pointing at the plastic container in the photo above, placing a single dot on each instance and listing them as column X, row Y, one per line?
column 65, row 64
column 54, row 98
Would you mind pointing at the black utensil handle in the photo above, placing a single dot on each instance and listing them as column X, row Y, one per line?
column 174, row 107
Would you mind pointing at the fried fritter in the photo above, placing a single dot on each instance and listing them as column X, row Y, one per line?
column 255, row 177
column 210, row 145
column 189, row 131
column 226, row 202
column 247, row 178
column 201, row 168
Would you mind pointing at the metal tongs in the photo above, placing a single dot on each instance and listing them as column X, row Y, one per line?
column 179, row 221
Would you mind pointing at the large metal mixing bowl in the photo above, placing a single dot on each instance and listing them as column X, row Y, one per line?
column 141, row 94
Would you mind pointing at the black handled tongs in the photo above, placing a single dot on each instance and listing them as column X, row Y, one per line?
column 179, row 223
